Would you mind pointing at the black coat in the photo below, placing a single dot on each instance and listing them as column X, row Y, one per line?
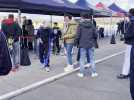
column 45, row 34
column 5, row 61
column 56, row 33
column 129, row 35
column 86, row 34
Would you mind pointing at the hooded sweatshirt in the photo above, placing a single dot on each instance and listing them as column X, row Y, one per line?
column 86, row 34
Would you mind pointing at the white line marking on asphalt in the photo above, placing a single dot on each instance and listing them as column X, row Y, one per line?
column 49, row 80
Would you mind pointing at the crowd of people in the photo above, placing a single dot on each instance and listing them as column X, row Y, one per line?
column 82, row 34
column 47, row 40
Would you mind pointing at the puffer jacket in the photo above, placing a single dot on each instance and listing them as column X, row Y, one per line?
column 86, row 34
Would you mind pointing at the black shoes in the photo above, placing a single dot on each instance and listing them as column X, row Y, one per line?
column 121, row 76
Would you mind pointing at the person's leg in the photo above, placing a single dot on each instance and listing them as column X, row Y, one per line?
column 58, row 46
column 69, row 48
column 54, row 46
column 46, row 58
column 78, row 55
column 37, row 48
column 16, row 54
column 92, row 61
column 35, row 45
column 126, row 65
column 82, row 59
column 88, row 58
column 11, row 55
column 132, row 72
column 69, row 58
column 41, row 52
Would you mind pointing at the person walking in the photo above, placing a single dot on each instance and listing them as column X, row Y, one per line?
column 44, row 35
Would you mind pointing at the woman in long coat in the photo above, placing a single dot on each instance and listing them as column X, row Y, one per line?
column 5, row 61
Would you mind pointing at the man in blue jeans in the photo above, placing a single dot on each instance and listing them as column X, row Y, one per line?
column 86, row 35
column 68, row 37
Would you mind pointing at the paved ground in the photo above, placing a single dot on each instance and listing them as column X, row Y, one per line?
column 31, row 74
column 105, row 87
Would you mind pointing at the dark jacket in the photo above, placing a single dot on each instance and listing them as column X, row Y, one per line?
column 5, row 61
column 45, row 34
column 129, row 35
column 56, row 33
column 86, row 34
column 11, row 29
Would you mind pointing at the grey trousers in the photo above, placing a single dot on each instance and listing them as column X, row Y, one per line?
column 15, row 54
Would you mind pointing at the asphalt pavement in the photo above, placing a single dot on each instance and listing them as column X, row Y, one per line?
column 104, row 87
column 34, row 73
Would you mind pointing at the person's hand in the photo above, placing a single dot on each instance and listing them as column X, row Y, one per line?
column 40, row 41
column 65, row 38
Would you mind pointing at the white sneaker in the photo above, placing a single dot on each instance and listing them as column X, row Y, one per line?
column 87, row 65
column 80, row 75
column 47, row 69
column 94, row 75
column 68, row 68
column 76, row 63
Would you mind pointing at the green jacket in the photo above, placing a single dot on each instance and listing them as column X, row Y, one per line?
column 70, row 34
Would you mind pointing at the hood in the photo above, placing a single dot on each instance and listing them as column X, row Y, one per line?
column 86, row 23
column 8, row 21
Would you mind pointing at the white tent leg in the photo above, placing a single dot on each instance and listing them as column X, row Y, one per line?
column 19, row 21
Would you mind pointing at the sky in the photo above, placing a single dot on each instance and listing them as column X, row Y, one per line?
column 125, row 4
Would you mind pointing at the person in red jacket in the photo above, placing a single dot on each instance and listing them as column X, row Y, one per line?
column 12, row 30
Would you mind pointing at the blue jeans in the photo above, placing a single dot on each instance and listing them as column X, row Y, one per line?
column 69, row 48
column 14, row 52
column 44, row 53
column 83, row 59
column 78, row 56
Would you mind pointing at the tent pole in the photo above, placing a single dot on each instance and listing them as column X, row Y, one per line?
column 19, row 21
column 51, row 21
column 111, row 25
column 124, row 24
column 19, row 17
column 92, row 19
